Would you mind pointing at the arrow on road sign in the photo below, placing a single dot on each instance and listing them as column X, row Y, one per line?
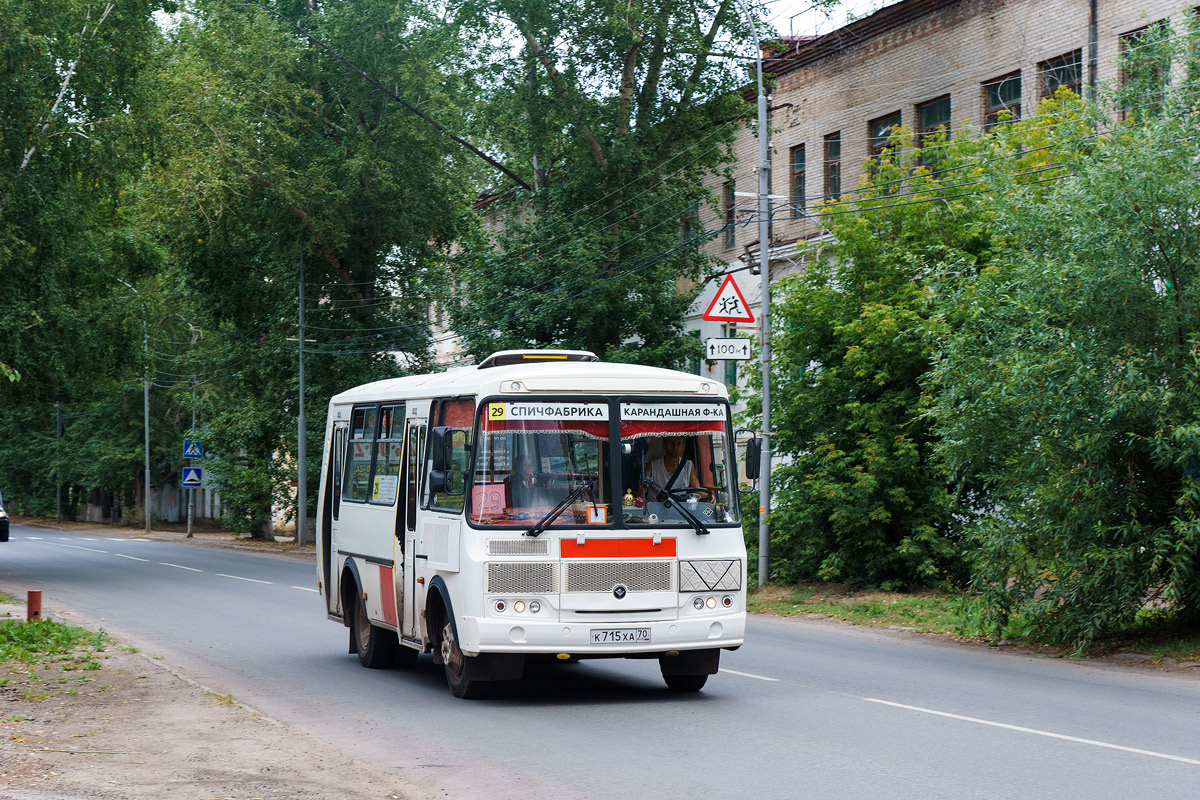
column 192, row 476
column 729, row 305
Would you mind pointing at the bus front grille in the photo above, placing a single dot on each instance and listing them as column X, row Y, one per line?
column 635, row 576
column 521, row 578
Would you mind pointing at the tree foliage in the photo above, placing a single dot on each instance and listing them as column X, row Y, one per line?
column 615, row 112
column 1069, row 383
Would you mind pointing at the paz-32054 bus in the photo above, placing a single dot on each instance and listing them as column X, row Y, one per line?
column 538, row 504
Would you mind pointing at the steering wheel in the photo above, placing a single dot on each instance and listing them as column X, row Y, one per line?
column 704, row 494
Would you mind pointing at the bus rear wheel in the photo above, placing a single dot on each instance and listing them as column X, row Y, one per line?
column 377, row 648
column 459, row 668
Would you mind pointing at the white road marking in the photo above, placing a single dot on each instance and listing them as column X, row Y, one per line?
column 748, row 675
column 34, row 538
column 77, row 547
column 119, row 539
column 131, row 558
column 239, row 578
column 1036, row 732
column 306, row 589
column 180, row 566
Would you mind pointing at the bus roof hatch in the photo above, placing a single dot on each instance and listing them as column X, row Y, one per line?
column 507, row 357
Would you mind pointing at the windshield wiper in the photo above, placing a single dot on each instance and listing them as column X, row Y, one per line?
column 668, row 495
column 563, row 505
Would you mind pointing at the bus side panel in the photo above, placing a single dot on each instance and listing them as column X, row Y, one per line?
column 326, row 581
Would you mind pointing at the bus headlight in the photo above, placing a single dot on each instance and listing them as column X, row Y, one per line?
column 534, row 606
column 500, row 605
column 519, row 606
column 711, row 602
column 698, row 603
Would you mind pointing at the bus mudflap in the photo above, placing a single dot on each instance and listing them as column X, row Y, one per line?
column 691, row 662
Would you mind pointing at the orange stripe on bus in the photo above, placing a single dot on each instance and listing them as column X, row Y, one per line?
column 388, row 587
column 618, row 548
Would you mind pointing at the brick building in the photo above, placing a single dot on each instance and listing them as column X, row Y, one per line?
column 920, row 63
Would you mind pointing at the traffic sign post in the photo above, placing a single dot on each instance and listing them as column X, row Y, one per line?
column 730, row 349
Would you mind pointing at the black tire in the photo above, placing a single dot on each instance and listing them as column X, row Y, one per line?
column 685, row 683
column 458, row 667
column 377, row 648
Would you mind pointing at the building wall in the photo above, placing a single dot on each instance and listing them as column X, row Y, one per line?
column 905, row 55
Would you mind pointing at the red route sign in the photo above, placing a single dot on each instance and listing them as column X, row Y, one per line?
column 728, row 305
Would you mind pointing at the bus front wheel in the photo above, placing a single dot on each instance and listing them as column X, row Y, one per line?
column 459, row 668
column 685, row 683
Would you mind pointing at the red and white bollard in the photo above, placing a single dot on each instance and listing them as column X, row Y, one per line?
column 33, row 605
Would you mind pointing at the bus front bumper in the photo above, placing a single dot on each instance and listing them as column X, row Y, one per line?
column 488, row 635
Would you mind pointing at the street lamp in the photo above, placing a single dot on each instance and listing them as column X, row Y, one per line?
column 145, row 404
column 764, row 261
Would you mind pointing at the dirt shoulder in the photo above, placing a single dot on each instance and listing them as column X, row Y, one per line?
column 131, row 728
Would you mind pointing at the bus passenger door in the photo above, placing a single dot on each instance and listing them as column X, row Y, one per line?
column 332, row 501
column 406, row 528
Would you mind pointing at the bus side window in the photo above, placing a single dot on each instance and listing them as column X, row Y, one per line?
column 339, row 456
column 458, row 413
column 358, row 454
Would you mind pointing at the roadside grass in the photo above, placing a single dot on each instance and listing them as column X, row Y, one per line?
column 927, row 611
column 27, row 646
column 1154, row 633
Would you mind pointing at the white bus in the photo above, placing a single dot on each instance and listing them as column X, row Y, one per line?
column 540, row 504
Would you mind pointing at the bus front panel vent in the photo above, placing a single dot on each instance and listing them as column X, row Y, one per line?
column 518, row 547
column 516, row 577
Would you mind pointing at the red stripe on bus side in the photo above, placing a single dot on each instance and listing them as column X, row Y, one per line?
column 618, row 548
column 388, row 587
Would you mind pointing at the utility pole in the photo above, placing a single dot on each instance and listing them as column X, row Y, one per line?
column 764, row 260
column 192, row 489
column 146, row 406
column 302, row 434
column 58, row 461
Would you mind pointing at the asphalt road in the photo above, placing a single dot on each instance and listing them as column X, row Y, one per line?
column 803, row 710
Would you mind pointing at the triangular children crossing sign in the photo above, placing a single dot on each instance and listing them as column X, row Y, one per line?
column 728, row 305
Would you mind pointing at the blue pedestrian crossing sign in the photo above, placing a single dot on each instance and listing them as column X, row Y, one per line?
column 192, row 476
column 192, row 449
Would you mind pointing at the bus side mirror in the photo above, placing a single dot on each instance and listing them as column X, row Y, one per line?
column 447, row 475
column 753, row 457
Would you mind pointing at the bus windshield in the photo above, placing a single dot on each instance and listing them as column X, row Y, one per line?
column 533, row 455
column 676, row 466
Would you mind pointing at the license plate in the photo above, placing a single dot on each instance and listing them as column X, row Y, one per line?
column 620, row 635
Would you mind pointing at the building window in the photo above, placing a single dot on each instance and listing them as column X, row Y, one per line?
column 730, row 201
column 798, row 181
column 1145, row 67
column 879, row 130
column 833, row 166
column 1066, row 70
column 1002, row 99
column 932, row 118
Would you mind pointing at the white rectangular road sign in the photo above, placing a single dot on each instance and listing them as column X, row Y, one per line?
column 732, row 349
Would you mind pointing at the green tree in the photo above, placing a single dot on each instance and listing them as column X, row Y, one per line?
column 72, row 97
column 615, row 113
column 275, row 157
column 1070, row 384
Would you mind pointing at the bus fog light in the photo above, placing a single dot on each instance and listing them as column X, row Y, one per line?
column 727, row 601
column 519, row 606
column 711, row 602
column 698, row 603
column 500, row 605
column 534, row 606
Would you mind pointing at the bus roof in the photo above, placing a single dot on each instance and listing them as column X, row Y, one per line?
column 539, row 378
